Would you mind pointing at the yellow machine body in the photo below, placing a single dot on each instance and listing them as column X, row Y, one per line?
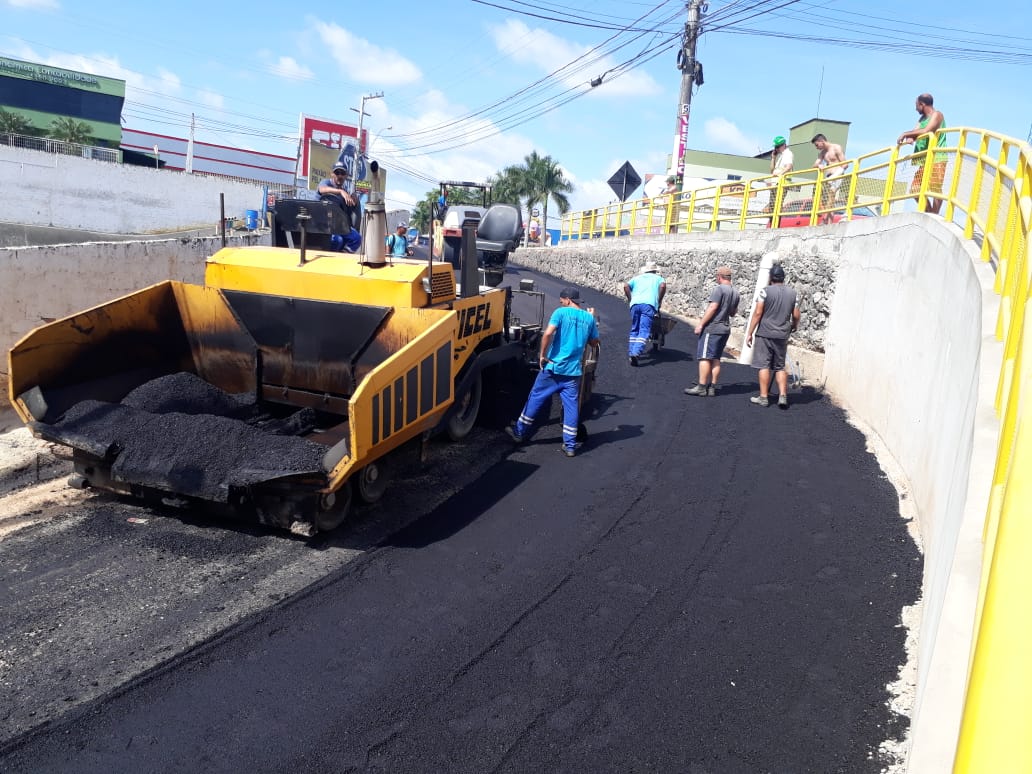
column 374, row 353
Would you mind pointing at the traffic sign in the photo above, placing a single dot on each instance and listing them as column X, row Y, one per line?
column 625, row 181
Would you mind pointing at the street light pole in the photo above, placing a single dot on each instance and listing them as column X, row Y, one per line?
column 691, row 74
column 377, row 136
column 362, row 114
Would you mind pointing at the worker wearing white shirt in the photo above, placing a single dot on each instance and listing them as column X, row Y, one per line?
column 781, row 160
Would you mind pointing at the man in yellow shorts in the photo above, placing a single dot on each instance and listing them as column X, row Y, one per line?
column 926, row 132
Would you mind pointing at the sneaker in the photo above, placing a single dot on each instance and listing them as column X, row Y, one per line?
column 516, row 437
column 760, row 400
column 634, row 361
column 782, row 401
column 567, row 451
column 712, row 391
column 699, row 389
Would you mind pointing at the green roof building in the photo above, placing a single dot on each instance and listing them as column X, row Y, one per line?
column 41, row 94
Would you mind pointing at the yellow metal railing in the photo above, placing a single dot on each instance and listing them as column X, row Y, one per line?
column 998, row 707
column 984, row 189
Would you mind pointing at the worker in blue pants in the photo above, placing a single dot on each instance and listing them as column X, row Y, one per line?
column 645, row 294
column 570, row 329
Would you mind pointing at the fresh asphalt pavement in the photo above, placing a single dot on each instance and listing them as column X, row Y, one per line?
column 709, row 586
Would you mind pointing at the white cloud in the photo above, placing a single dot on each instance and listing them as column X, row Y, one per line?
column 723, row 136
column 286, row 67
column 169, row 81
column 289, row 68
column 363, row 61
column 547, row 53
column 36, row 5
column 212, row 99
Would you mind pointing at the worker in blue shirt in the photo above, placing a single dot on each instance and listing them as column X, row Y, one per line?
column 397, row 243
column 645, row 294
column 570, row 329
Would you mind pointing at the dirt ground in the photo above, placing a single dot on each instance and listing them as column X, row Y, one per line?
column 32, row 476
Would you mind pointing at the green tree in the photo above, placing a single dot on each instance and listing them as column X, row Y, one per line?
column 546, row 182
column 69, row 130
column 510, row 186
column 421, row 216
column 12, row 123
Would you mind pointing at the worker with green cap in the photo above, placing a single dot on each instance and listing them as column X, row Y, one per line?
column 781, row 159
column 781, row 162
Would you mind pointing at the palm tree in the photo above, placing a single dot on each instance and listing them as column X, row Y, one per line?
column 546, row 182
column 12, row 123
column 69, row 130
column 550, row 184
column 510, row 186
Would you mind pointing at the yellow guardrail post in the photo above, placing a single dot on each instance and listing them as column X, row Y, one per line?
column 890, row 181
column 958, row 161
column 779, row 196
column 994, row 204
column 976, row 187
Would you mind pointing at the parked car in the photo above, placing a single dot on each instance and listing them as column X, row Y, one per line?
column 797, row 213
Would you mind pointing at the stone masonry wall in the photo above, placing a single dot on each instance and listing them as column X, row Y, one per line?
column 688, row 262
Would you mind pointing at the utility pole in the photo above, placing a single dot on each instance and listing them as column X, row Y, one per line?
column 362, row 114
column 691, row 76
column 189, row 145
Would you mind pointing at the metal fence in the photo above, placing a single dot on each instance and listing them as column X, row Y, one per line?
column 981, row 181
column 48, row 145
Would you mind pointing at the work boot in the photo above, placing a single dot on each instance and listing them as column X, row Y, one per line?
column 634, row 361
column 567, row 451
column 516, row 437
column 760, row 400
column 699, row 389
column 712, row 391
column 782, row 401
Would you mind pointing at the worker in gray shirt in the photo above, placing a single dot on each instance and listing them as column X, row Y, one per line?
column 713, row 331
column 776, row 316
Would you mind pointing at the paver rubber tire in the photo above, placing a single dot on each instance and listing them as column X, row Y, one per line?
column 330, row 519
column 371, row 482
column 462, row 421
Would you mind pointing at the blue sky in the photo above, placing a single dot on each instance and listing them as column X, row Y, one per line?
column 465, row 84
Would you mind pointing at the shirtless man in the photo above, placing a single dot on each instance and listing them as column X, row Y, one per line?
column 926, row 131
column 832, row 159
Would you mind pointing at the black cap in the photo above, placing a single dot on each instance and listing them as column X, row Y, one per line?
column 571, row 293
column 777, row 272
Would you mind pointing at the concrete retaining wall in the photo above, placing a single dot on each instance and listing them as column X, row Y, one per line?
column 45, row 189
column 911, row 350
column 689, row 262
column 44, row 283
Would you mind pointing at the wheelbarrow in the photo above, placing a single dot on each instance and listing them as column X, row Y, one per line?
column 661, row 326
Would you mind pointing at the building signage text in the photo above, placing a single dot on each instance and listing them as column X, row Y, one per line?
column 48, row 74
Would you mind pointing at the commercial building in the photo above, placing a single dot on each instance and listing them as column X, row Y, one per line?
column 177, row 153
column 41, row 94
